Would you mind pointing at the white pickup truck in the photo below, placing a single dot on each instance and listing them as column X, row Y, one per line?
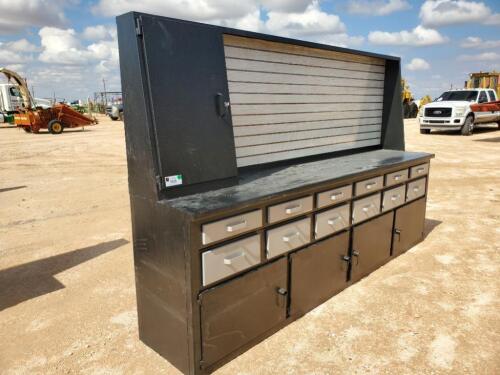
column 458, row 110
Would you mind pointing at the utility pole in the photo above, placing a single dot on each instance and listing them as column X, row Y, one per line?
column 105, row 95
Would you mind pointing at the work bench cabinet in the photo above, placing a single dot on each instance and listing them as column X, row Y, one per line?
column 258, row 188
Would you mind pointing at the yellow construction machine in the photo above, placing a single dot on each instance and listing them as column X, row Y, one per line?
column 484, row 80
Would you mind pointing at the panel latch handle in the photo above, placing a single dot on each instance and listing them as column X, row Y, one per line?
column 221, row 104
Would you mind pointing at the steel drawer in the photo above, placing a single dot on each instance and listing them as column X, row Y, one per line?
column 230, row 226
column 229, row 259
column 288, row 237
column 367, row 186
column 366, row 208
column 416, row 189
column 334, row 196
column 289, row 209
column 396, row 177
column 419, row 170
column 332, row 221
column 393, row 198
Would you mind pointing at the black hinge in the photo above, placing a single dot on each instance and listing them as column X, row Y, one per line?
column 159, row 182
column 199, row 299
column 138, row 27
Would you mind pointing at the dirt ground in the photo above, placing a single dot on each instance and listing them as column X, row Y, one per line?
column 67, row 298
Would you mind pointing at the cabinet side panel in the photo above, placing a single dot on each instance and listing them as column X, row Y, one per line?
column 393, row 137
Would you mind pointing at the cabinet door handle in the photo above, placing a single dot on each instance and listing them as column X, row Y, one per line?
column 290, row 236
column 333, row 220
column 395, row 197
column 366, row 208
column 370, row 185
column 293, row 209
column 356, row 254
column 398, row 232
column 282, row 292
column 231, row 258
column 334, row 196
column 236, row 226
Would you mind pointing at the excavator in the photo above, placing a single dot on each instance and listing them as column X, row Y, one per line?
column 31, row 118
column 410, row 108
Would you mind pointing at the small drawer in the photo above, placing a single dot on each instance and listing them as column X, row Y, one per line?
column 393, row 198
column 395, row 178
column 366, row 208
column 231, row 226
column 288, row 237
column 332, row 221
column 367, row 186
column 229, row 259
column 419, row 170
column 416, row 189
column 334, row 196
column 289, row 209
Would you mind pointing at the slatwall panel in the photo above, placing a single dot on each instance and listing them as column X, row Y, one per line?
column 289, row 101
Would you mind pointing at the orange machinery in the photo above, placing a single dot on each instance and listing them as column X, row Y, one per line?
column 55, row 119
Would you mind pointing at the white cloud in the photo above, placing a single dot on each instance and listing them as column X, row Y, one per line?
column 476, row 42
column 16, row 52
column 486, row 56
column 62, row 46
column 419, row 36
column 16, row 16
column 98, row 32
column 313, row 21
column 418, row 64
column 199, row 10
column 377, row 8
column 285, row 5
column 342, row 40
column 436, row 13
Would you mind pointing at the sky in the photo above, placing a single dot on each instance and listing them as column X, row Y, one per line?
column 67, row 48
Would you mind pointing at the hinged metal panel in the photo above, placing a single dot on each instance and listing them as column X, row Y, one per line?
column 186, row 73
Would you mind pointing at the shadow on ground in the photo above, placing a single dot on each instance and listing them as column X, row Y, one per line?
column 430, row 225
column 493, row 140
column 3, row 190
column 34, row 279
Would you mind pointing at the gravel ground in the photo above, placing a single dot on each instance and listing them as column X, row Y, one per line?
column 67, row 298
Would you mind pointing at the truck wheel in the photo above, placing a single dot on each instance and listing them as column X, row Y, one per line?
column 425, row 131
column 467, row 126
column 55, row 127
column 27, row 129
column 120, row 116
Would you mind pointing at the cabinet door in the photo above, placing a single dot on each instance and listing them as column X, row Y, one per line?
column 236, row 312
column 371, row 245
column 408, row 226
column 317, row 273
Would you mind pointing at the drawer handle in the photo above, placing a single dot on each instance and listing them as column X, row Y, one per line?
column 398, row 177
column 231, row 258
column 395, row 197
column 236, row 226
column 290, row 237
column 416, row 189
column 370, row 185
column 420, row 170
column 366, row 208
column 333, row 220
column 334, row 196
column 293, row 209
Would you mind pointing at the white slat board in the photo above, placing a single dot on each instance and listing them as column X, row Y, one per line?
column 289, row 101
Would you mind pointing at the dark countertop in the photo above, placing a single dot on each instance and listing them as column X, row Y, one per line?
column 265, row 184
